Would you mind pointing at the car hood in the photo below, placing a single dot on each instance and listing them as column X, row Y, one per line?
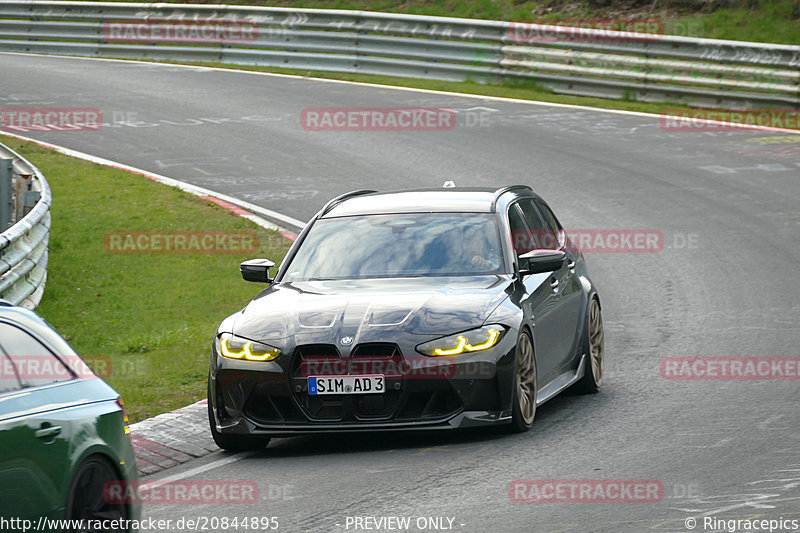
column 370, row 310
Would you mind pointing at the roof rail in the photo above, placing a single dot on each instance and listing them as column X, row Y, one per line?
column 503, row 190
column 341, row 198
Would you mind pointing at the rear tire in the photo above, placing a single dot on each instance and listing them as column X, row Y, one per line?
column 87, row 499
column 595, row 353
column 233, row 443
column 523, row 409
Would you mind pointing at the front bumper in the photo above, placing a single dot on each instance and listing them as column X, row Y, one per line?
column 422, row 393
column 462, row 420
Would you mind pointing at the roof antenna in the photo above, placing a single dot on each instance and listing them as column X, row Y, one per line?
column 449, row 184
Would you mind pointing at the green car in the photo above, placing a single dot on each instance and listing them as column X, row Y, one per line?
column 63, row 434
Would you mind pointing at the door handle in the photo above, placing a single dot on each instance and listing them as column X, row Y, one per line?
column 571, row 264
column 554, row 283
column 47, row 431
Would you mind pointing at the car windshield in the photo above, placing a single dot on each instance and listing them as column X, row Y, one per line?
column 399, row 245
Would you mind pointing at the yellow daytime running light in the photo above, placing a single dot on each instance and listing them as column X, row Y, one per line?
column 247, row 351
column 261, row 355
column 493, row 334
column 462, row 343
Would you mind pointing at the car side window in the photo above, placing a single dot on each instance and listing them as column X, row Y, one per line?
column 532, row 217
column 520, row 231
column 33, row 363
column 549, row 218
column 9, row 381
column 552, row 230
column 542, row 235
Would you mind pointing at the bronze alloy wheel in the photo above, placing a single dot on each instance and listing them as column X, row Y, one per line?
column 524, row 408
column 593, row 348
column 596, row 342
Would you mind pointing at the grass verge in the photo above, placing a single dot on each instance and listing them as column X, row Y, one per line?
column 151, row 315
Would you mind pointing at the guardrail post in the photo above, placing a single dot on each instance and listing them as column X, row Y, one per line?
column 6, row 201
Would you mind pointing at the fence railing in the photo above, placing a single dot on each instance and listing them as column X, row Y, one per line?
column 23, row 246
column 609, row 64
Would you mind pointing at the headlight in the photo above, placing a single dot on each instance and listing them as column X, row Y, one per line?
column 469, row 341
column 234, row 347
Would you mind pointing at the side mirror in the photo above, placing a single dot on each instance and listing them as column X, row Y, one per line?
column 541, row 260
column 256, row 270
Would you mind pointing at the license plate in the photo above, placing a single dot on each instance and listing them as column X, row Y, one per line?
column 372, row 384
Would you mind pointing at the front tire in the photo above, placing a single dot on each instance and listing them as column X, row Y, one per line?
column 233, row 443
column 523, row 409
column 593, row 376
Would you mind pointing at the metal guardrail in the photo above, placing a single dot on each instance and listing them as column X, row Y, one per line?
column 609, row 64
column 23, row 246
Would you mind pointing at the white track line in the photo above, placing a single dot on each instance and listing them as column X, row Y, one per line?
column 431, row 91
column 204, row 468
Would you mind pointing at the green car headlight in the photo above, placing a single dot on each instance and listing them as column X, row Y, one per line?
column 234, row 347
column 469, row 341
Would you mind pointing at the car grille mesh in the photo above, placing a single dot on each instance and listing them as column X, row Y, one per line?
column 415, row 399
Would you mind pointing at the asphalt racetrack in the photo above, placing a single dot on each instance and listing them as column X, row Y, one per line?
column 723, row 282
